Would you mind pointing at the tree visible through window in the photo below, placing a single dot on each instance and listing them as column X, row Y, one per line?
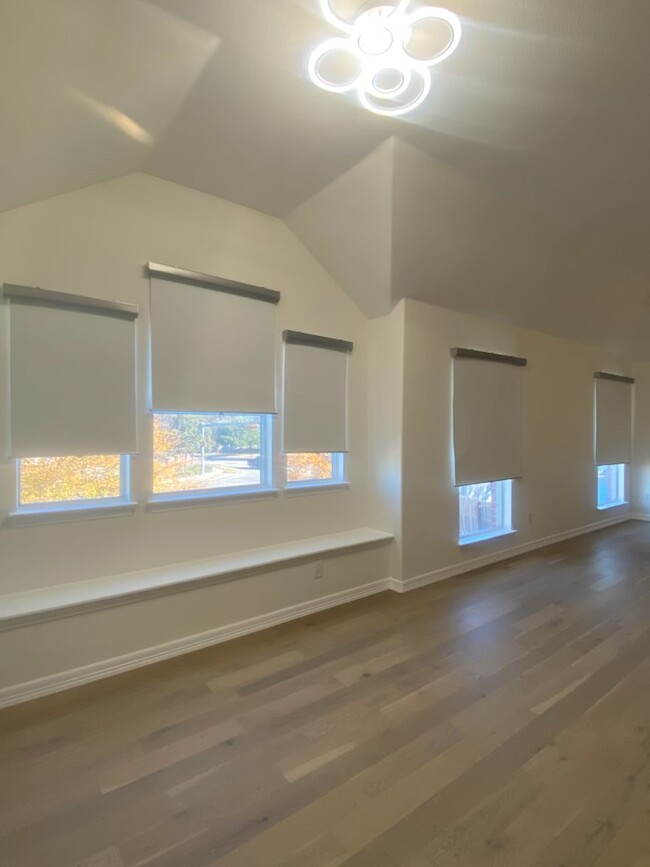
column 315, row 468
column 68, row 479
column 202, row 452
column 307, row 467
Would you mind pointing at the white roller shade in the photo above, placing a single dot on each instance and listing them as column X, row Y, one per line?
column 613, row 421
column 72, row 375
column 211, row 350
column 488, row 420
column 315, row 396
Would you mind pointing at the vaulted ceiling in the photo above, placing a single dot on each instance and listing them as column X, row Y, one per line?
column 520, row 189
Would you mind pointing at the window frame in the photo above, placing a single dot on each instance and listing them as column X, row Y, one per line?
column 80, row 505
column 338, row 479
column 504, row 504
column 621, row 486
column 207, row 495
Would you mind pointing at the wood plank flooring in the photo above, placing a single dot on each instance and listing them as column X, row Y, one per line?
column 501, row 718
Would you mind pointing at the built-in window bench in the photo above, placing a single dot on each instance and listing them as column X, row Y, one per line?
column 62, row 600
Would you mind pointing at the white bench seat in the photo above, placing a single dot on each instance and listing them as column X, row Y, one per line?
column 18, row 609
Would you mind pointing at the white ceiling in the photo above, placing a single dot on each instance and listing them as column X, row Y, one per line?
column 520, row 189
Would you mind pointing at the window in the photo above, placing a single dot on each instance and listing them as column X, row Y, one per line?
column 311, row 470
column 315, row 393
column 611, row 486
column 210, row 453
column 51, row 484
column 485, row 511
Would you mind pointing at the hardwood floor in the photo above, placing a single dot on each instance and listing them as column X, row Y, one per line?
column 502, row 718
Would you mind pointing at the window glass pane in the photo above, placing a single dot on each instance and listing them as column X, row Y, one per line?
column 611, row 485
column 195, row 452
column 66, row 479
column 309, row 467
column 484, row 509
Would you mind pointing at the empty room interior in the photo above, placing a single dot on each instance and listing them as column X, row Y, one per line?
column 324, row 433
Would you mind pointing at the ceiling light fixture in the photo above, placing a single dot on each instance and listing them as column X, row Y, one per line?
column 374, row 52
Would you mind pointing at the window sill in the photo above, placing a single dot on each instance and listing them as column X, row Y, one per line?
column 484, row 537
column 615, row 505
column 167, row 502
column 65, row 514
column 299, row 488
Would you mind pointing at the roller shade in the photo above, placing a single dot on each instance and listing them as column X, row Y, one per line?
column 488, row 416
column 212, row 344
column 315, row 393
column 613, row 419
column 72, row 374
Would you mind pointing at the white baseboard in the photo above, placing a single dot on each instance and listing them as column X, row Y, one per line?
column 106, row 668
column 639, row 516
column 497, row 556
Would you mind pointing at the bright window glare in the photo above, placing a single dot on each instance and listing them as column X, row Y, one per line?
column 485, row 510
column 611, row 485
column 69, row 479
column 205, row 452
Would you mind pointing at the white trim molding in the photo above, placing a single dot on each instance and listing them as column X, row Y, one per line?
column 28, row 517
column 505, row 554
column 171, row 502
column 58, row 682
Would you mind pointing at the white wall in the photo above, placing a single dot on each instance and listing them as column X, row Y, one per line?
column 641, row 461
column 349, row 227
column 385, row 426
column 559, row 488
column 95, row 242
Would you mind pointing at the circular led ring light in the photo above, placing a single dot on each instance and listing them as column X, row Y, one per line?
column 366, row 97
column 435, row 13
column 395, row 90
column 366, row 82
column 333, row 46
column 385, row 31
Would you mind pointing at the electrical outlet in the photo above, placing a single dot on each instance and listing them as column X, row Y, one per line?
column 318, row 571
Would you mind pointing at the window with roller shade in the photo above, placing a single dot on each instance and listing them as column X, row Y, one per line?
column 612, row 437
column 315, row 394
column 73, row 403
column 212, row 404
column 488, row 393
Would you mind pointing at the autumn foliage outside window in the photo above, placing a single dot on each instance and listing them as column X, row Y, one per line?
column 66, row 479
column 313, row 469
column 309, row 467
column 203, row 452
column 191, row 453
